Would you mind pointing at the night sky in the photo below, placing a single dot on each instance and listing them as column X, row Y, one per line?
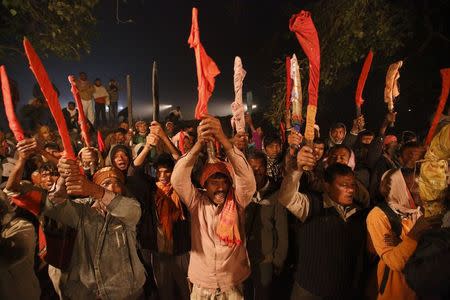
column 159, row 31
column 251, row 29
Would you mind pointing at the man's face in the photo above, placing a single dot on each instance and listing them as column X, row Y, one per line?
column 124, row 125
column 241, row 141
column 71, row 106
column 169, row 127
column 141, row 127
column 319, row 149
column 341, row 156
column 47, row 179
column 391, row 148
column 83, row 76
column 112, row 184
column 217, row 189
column 259, row 170
column 53, row 152
column 410, row 156
column 188, row 143
column 45, row 133
column 338, row 134
column 121, row 160
column 273, row 150
column 366, row 139
column 341, row 190
column 120, row 138
column 163, row 174
column 98, row 83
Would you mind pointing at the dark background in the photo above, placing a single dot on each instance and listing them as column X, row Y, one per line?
column 257, row 31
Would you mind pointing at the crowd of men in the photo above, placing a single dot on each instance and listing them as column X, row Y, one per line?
column 179, row 211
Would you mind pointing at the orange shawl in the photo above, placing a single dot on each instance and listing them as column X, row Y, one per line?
column 228, row 226
column 168, row 207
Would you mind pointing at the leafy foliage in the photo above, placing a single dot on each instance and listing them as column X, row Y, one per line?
column 60, row 27
column 347, row 30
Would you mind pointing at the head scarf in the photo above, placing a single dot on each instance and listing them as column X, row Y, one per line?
column 228, row 226
column 337, row 125
column 390, row 139
column 122, row 148
column 399, row 197
column 108, row 172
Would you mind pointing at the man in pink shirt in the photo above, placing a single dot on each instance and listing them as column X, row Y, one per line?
column 219, row 263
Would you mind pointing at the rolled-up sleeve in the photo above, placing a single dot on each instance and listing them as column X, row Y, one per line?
column 244, row 181
column 288, row 195
column 181, row 180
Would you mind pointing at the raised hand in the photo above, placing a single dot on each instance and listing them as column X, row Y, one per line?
column 27, row 147
column 305, row 158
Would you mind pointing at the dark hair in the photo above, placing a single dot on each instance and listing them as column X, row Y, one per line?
column 122, row 148
column 120, row 130
column 71, row 103
column 338, row 125
column 409, row 145
column 318, row 140
column 335, row 170
column 218, row 175
column 97, row 79
column 48, row 167
column 366, row 133
column 272, row 138
column 339, row 146
column 258, row 155
column 164, row 160
column 52, row 145
column 82, row 73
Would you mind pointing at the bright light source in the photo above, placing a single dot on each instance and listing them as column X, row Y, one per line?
column 254, row 106
column 120, row 107
column 107, row 108
column 409, row 109
column 165, row 106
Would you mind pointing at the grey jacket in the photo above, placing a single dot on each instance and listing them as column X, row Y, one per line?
column 104, row 263
column 17, row 247
column 266, row 227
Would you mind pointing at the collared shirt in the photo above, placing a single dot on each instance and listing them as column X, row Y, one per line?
column 257, row 198
column 213, row 264
column 344, row 212
column 299, row 203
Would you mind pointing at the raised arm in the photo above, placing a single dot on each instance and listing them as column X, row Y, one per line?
column 181, row 175
column 288, row 195
column 150, row 143
column 25, row 148
column 127, row 210
column 156, row 129
column 210, row 129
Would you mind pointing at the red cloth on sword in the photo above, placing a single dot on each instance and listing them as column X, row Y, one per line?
column 445, row 75
column 50, row 96
column 206, row 68
column 100, row 143
column 14, row 124
column 362, row 79
column 303, row 27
